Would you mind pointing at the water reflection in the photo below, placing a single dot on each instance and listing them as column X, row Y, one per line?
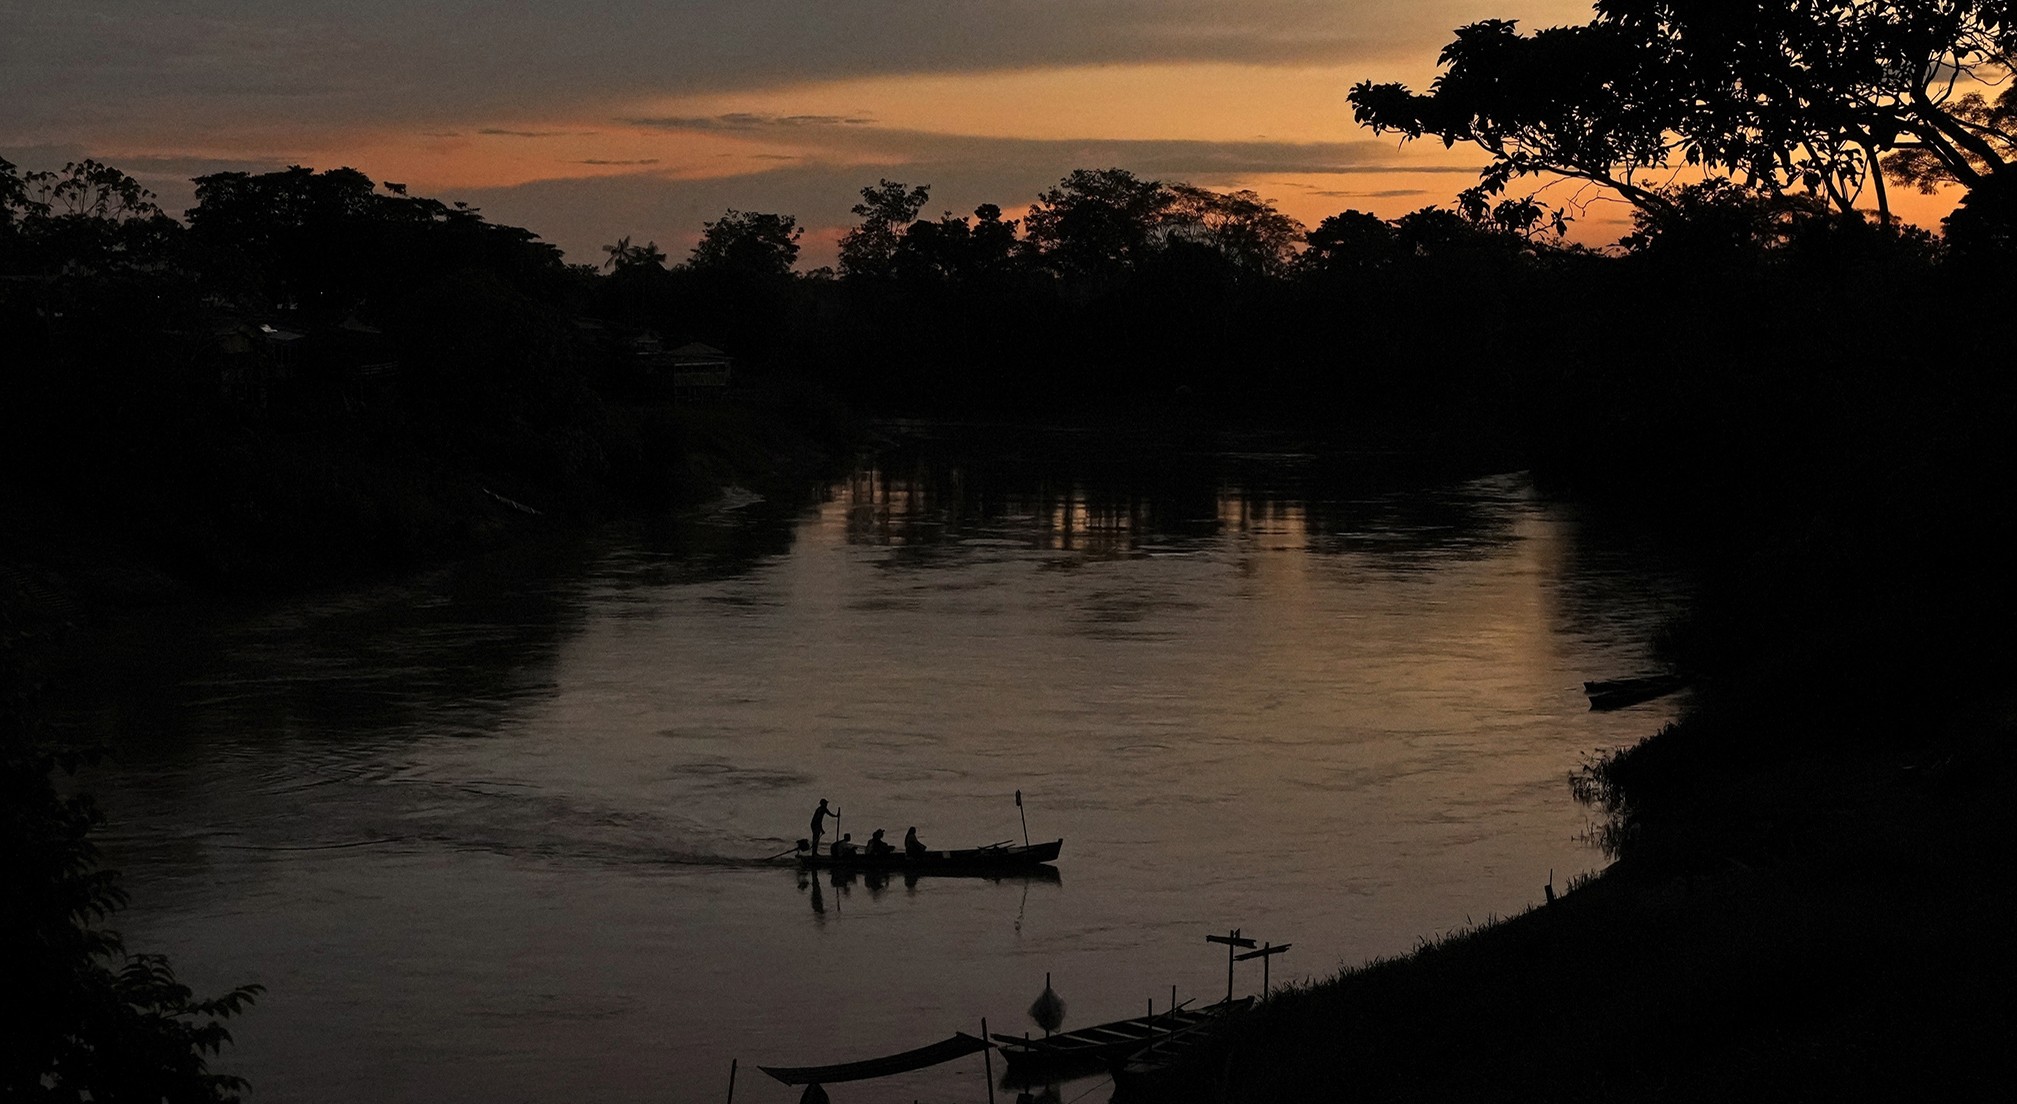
column 932, row 510
column 828, row 890
column 502, row 823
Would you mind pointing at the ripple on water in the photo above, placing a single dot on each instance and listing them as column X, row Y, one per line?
column 713, row 735
column 730, row 777
column 913, row 774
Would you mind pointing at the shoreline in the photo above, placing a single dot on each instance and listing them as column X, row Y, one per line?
column 1733, row 957
column 1848, row 956
column 1806, row 899
column 64, row 576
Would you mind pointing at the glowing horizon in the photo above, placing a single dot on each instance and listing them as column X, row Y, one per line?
column 581, row 127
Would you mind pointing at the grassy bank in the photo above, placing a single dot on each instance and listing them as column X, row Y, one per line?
column 1807, row 899
column 1834, row 931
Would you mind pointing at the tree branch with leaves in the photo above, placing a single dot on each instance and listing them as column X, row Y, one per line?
column 1785, row 95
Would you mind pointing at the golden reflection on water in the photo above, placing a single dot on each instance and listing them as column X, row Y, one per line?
column 510, row 823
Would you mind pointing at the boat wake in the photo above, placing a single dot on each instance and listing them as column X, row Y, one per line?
column 676, row 857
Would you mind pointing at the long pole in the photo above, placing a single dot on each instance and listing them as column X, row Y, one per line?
column 1025, row 816
column 987, row 1056
column 731, row 1081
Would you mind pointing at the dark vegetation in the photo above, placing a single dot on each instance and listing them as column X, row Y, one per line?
column 316, row 378
column 90, row 1021
column 1806, row 900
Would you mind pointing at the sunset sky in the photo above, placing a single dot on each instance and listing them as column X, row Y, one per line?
column 589, row 120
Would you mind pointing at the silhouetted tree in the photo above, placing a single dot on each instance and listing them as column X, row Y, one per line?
column 934, row 249
column 87, row 216
column 1715, row 221
column 328, row 244
column 886, row 211
column 1926, row 166
column 1981, row 231
column 290, row 237
column 15, row 202
column 992, row 242
column 1245, row 229
column 89, row 189
column 749, row 243
column 624, row 255
column 90, row 1021
column 1589, row 103
column 1440, row 234
column 1349, row 241
column 952, row 248
column 1777, row 95
column 1097, row 221
column 1816, row 93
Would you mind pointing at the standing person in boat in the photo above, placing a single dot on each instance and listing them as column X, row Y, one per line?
column 819, row 816
column 877, row 846
column 913, row 848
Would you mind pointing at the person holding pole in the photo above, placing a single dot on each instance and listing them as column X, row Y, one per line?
column 819, row 816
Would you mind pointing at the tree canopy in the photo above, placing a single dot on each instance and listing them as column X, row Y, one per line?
column 1097, row 221
column 886, row 210
column 87, row 214
column 1241, row 226
column 331, row 243
column 91, row 1021
column 623, row 255
column 1807, row 95
column 748, row 242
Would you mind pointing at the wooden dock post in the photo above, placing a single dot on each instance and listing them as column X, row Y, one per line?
column 1232, row 940
column 1267, row 951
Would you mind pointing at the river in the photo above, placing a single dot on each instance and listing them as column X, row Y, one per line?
column 491, row 834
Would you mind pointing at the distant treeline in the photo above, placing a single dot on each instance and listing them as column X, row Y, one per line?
column 309, row 352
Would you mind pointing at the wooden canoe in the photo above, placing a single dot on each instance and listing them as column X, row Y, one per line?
column 1619, row 693
column 1147, row 1071
column 959, row 1046
column 997, row 859
column 1101, row 1044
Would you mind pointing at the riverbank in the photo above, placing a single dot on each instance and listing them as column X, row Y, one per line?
column 1806, row 900
column 1854, row 949
column 291, row 512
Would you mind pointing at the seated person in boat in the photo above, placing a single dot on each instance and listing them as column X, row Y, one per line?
column 877, row 846
column 912, row 847
column 844, row 847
